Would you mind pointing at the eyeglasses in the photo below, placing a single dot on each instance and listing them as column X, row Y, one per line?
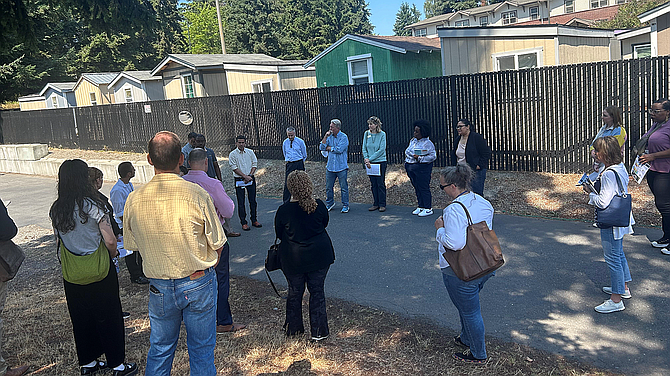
column 444, row 186
column 656, row 111
column 460, row 126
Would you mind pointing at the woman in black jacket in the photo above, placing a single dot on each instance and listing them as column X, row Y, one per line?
column 306, row 253
column 471, row 148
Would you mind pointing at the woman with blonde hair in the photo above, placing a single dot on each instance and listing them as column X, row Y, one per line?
column 306, row 253
column 612, row 126
column 374, row 151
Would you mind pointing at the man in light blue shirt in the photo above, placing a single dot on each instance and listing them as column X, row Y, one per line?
column 295, row 154
column 336, row 143
column 118, row 195
column 188, row 148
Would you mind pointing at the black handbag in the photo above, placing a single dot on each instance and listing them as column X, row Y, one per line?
column 272, row 262
column 11, row 258
column 617, row 213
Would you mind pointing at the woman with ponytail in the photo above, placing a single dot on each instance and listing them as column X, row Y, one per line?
column 306, row 253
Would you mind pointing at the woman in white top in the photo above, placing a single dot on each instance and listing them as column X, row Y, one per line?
column 419, row 157
column 608, row 152
column 451, row 234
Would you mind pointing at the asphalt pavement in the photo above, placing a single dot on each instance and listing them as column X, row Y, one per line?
column 543, row 296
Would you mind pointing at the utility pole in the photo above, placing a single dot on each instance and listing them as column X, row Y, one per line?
column 218, row 15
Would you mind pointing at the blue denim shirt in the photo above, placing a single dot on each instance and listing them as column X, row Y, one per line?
column 337, row 156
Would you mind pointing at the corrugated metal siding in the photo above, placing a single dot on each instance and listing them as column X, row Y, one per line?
column 35, row 105
column 575, row 50
column 215, row 83
column 298, row 80
column 101, row 94
column 240, row 82
column 154, row 90
column 663, row 27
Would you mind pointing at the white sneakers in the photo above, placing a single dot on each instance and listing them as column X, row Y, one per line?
column 625, row 295
column 421, row 212
column 426, row 212
column 665, row 251
column 609, row 306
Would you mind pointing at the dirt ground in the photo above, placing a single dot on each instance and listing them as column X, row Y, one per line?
column 518, row 193
column 364, row 341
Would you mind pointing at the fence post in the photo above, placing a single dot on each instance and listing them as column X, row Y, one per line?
column 454, row 113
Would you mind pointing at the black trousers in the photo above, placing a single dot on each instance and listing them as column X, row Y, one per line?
column 419, row 175
column 97, row 321
column 659, row 183
column 134, row 265
column 290, row 167
column 378, row 186
column 241, row 207
column 318, row 320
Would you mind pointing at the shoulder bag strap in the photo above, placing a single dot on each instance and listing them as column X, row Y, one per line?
column 466, row 211
column 618, row 182
column 273, row 285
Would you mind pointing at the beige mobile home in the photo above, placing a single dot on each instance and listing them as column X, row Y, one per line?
column 32, row 102
column 136, row 86
column 92, row 89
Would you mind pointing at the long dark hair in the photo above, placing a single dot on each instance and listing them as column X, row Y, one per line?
column 73, row 188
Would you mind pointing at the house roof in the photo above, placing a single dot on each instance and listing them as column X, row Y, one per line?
column 31, row 98
column 655, row 12
column 60, row 87
column 393, row 43
column 472, row 12
column 625, row 34
column 136, row 76
column 584, row 17
column 199, row 61
column 96, row 79
column 522, row 31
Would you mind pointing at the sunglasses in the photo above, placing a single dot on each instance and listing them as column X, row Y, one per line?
column 460, row 126
column 444, row 186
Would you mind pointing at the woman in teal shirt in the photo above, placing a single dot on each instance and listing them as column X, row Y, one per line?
column 374, row 152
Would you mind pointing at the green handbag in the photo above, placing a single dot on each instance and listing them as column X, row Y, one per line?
column 84, row 270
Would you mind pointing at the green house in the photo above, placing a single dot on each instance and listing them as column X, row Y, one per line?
column 361, row 59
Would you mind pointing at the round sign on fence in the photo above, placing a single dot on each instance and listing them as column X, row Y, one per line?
column 185, row 118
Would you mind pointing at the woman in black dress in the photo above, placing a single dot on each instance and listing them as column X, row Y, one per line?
column 306, row 253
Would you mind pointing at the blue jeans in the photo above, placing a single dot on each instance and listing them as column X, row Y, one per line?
column 223, row 315
column 478, row 181
column 194, row 302
column 341, row 176
column 465, row 296
column 616, row 260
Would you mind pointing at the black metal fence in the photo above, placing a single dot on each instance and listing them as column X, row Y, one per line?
column 535, row 120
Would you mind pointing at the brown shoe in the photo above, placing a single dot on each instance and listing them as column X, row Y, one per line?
column 229, row 328
column 233, row 234
column 256, row 224
column 373, row 208
column 382, row 208
column 18, row 371
column 246, row 227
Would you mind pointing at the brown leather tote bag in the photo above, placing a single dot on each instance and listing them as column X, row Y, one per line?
column 481, row 255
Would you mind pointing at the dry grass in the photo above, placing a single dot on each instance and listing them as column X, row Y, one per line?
column 364, row 341
column 519, row 193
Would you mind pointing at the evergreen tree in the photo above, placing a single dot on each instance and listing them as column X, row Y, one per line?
column 434, row 8
column 405, row 16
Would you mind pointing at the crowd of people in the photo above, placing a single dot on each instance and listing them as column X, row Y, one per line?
column 173, row 233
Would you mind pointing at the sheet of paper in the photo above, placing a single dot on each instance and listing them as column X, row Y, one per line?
column 420, row 152
column 639, row 170
column 241, row 183
column 374, row 170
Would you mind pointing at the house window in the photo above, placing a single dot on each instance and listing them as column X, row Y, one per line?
column 483, row 21
column 54, row 100
column 94, row 101
column 420, row 32
column 360, row 69
column 187, row 86
column 621, row 2
column 569, row 6
column 508, row 17
column 598, row 3
column 264, row 86
column 522, row 59
column 128, row 94
column 534, row 13
column 462, row 23
column 641, row 50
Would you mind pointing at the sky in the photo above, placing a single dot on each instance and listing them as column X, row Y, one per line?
column 383, row 14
